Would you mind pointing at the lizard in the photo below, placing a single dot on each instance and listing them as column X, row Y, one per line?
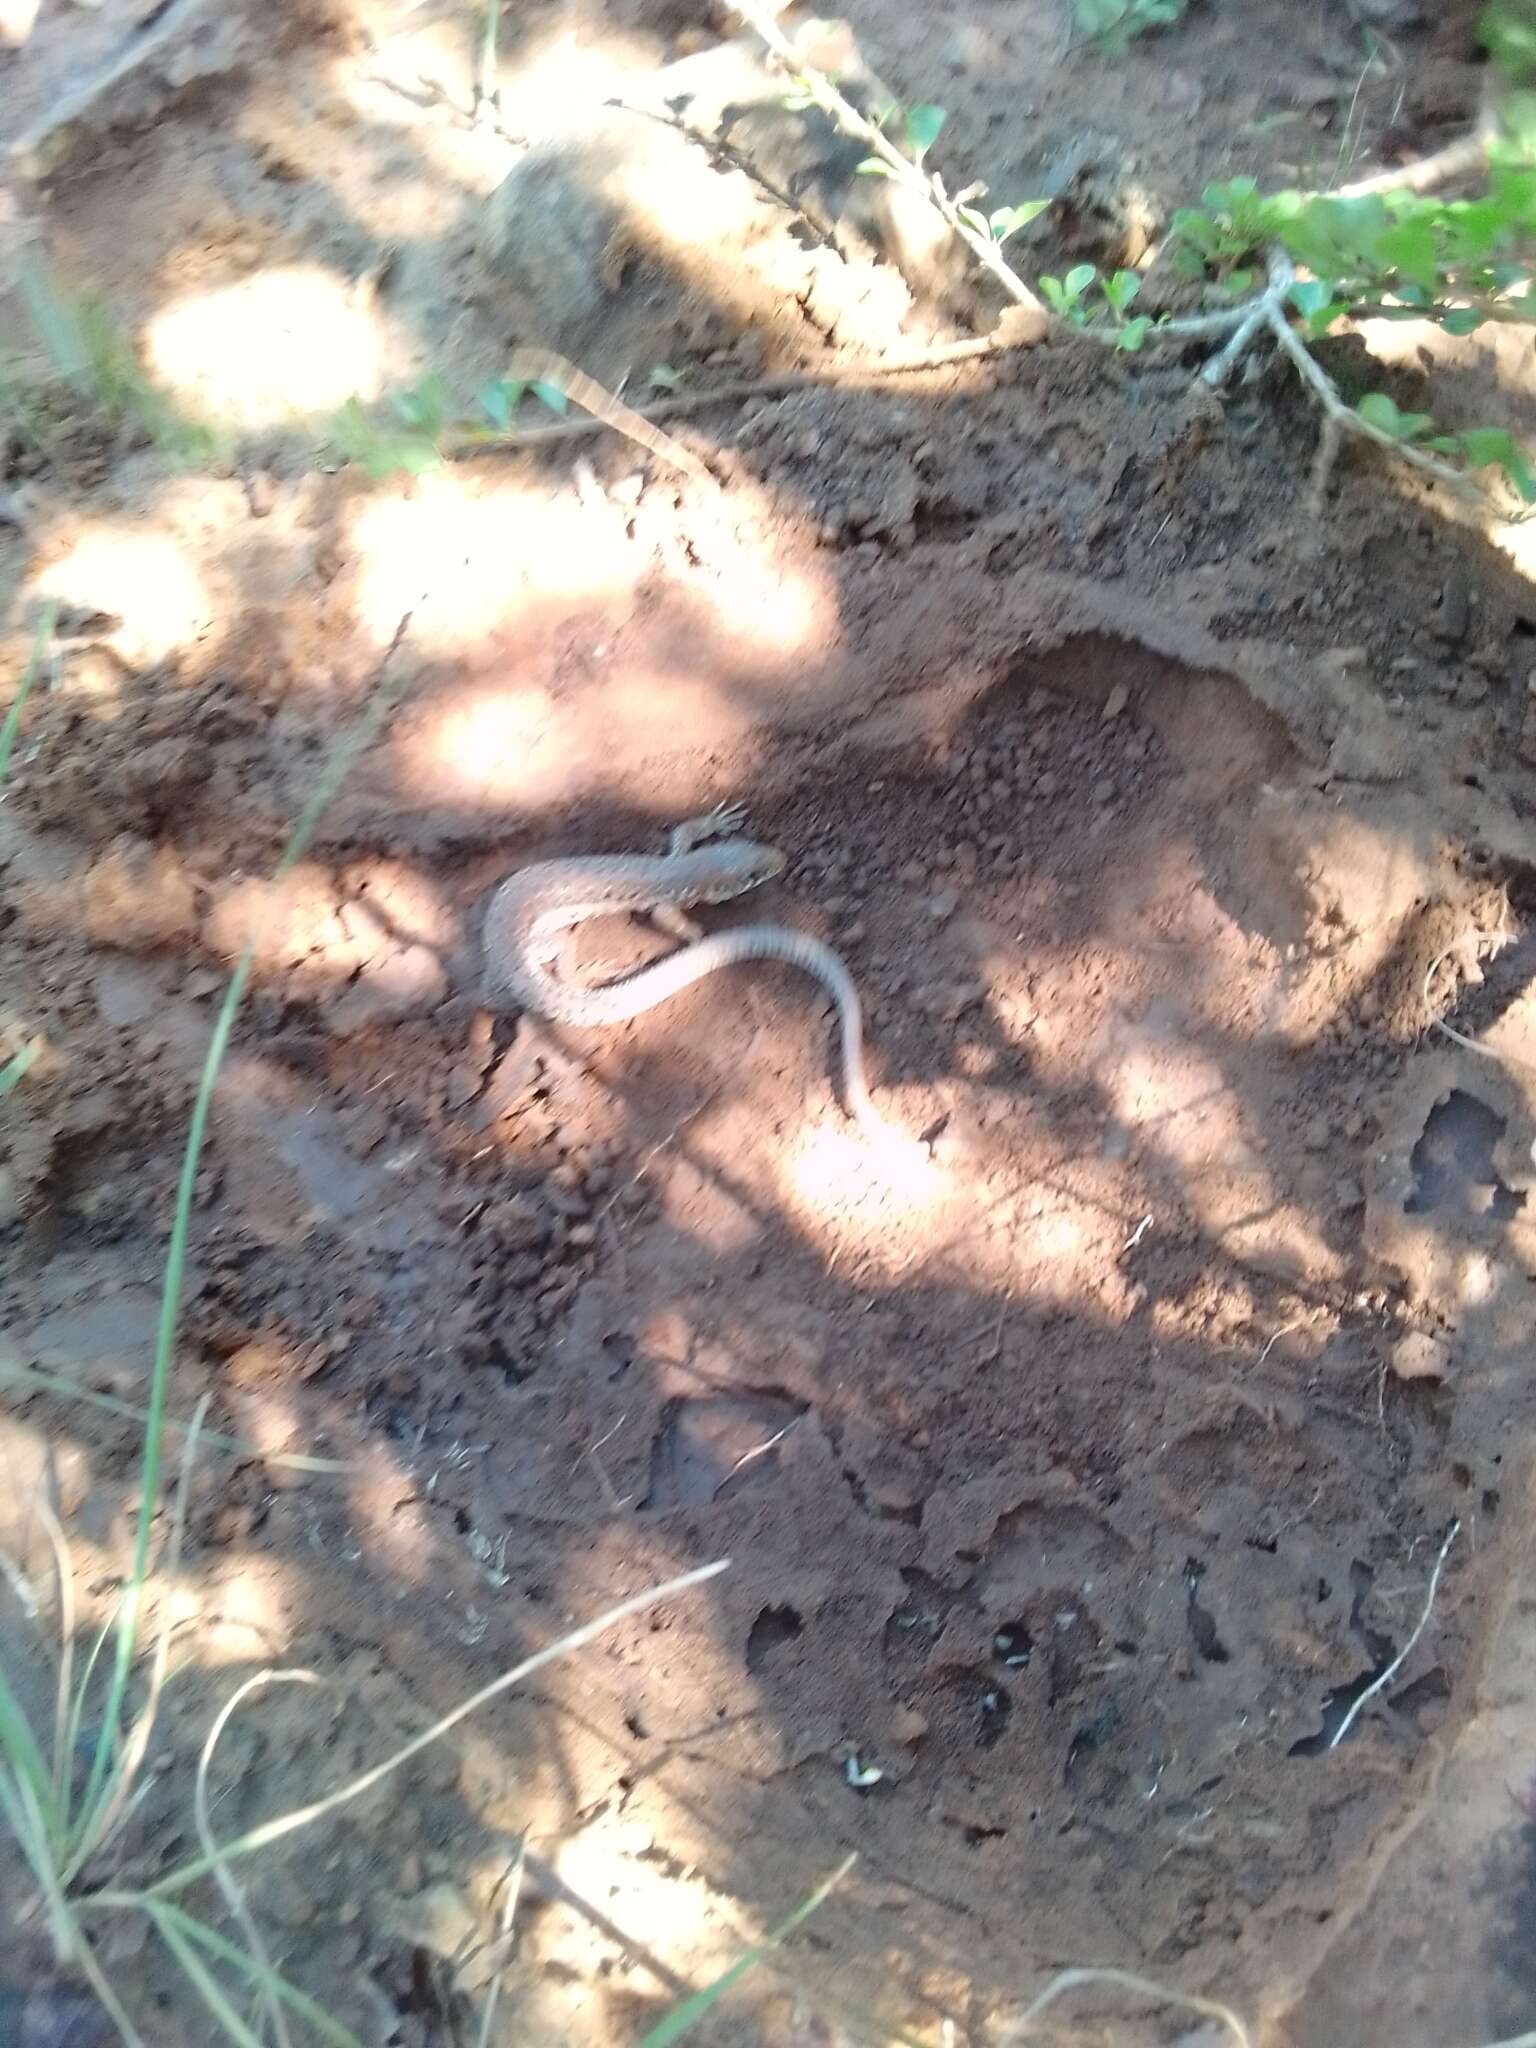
column 707, row 861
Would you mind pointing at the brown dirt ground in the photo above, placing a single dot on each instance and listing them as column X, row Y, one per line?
column 1067, row 1455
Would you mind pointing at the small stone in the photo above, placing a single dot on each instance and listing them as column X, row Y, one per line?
column 260, row 493
column 908, row 1726
column 1104, row 790
column 1345, row 661
column 1318, row 1134
column 1115, row 702
column 1349, row 1194
column 1046, row 785
column 517, row 1222
column 1419, row 1356
column 1454, row 615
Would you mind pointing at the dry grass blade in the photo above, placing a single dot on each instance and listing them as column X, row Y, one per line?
column 37, row 1380
column 503, row 1947
column 1124, row 1980
column 234, row 1897
column 304, row 1816
column 98, row 1829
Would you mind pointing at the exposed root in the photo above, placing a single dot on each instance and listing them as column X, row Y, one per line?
column 1345, row 420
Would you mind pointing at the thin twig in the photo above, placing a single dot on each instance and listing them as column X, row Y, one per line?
column 1387, row 1676
column 784, row 384
column 852, row 122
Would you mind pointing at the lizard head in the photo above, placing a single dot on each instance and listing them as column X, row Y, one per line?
column 743, row 864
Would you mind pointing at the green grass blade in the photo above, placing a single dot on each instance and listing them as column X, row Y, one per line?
column 17, row 1065
column 229, row 1952
column 159, row 1383
column 380, row 703
column 685, row 2017
column 29, row 675
column 20, row 1747
column 204, row 1982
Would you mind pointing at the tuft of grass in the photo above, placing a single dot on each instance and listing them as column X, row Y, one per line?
column 64, row 1817
column 93, row 355
column 68, row 1818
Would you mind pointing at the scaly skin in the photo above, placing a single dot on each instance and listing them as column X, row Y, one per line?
column 533, row 907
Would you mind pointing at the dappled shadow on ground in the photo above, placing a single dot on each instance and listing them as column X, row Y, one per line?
column 1060, row 1456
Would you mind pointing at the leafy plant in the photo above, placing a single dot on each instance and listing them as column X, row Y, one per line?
column 1115, row 24
column 90, row 350
column 409, row 435
column 1393, row 255
column 1065, row 295
column 1068, row 298
column 1005, row 221
column 920, row 129
column 1475, row 447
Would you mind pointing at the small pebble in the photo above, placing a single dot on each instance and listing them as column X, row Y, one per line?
column 1419, row 1356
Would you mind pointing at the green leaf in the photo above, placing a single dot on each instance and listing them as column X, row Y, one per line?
column 425, row 406
column 497, row 400
column 1120, row 289
column 552, row 396
column 1009, row 219
column 923, row 125
column 873, row 167
column 1409, row 249
column 975, row 220
column 1309, row 295
column 1462, row 320
column 1078, row 280
column 1486, row 447
column 1131, row 336
column 664, row 378
column 18, row 1064
column 1379, row 411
